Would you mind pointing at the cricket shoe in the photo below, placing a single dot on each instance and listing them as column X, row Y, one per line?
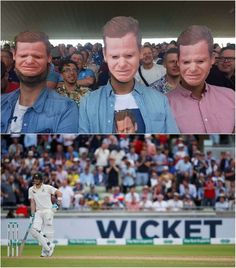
column 44, row 253
column 50, row 252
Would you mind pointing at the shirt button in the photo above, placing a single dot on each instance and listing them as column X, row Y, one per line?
column 111, row 105
column 25, row 124
column 206, row 119
column 109, row 121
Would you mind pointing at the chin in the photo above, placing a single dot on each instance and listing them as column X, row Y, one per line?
column 123, row 79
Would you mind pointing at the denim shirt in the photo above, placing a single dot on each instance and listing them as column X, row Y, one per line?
column 51, row 113
column 97, row 110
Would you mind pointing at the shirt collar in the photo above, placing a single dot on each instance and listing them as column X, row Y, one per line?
column 187, row 93
column 37, row 189
column 137, row 88
column 40, row 102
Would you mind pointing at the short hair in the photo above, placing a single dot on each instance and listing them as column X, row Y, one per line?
column 172, row 50
column 121, row 115
column 119, row 26
column 32, row 37
column 66, row 62
column 227, row 48
column 147, row 46
column 194, row 34
column 8, row 52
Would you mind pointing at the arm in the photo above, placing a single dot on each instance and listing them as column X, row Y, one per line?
column 86, row 82
column 32, row 207
column 59, row 197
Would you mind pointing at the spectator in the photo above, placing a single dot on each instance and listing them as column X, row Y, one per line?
column 222, row 204
column 28, row 108
column 195, row 45
column 160, row 204
column 187, row 188
column 70, row 88
column 112, row 172
column 86, row 77
column 159, row 160
column 67, row 195
column 184, row 166
column 142, row 168
column 145, row 204
column 128, row 177
column 9, row 190
column 102, row 155
column 171, row 79
column 117, row 198
column 7, row 59
column 87, row 178
column 154, row 180
column 148, row 71
column 188, row 203
column 222, row 73
column 132, row 199
column 175, row 204
column 61, row 173
column 209, row 192
column 122, row 92
column 99, row 177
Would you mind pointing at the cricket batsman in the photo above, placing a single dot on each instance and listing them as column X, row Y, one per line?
column 42, row 212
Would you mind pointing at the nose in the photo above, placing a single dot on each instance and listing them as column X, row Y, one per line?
column 29, row 59
column 122, row 61
column 193, row 67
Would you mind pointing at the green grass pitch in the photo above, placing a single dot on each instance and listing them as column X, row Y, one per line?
column 126, row 256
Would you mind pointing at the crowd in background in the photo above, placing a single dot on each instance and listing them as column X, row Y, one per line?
column 92, row 71
column 133, row 172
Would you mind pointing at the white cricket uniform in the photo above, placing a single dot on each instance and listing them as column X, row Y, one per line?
column 43, row 221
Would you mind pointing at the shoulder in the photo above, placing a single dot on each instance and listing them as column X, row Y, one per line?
column 151, row 93
column 224, row 91
column 30, row 189
column 54, row 96
column 10, row 96
column 158, row 67
column 95, row 95
column 49, row 187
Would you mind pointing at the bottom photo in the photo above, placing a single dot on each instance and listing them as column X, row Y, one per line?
column 117, row 200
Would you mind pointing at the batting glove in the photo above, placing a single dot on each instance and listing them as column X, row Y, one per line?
column 55, row 207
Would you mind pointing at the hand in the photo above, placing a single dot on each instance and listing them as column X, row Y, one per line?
column 55, row 207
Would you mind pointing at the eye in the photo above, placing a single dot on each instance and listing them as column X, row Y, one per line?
column 186, row 62
column 114, row 57
column 200, row 61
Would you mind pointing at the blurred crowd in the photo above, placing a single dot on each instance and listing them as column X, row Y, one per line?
column 92, row 71
column 133, row 172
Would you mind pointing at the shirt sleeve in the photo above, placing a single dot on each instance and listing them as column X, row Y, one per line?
column 51, row 189
column 171, row 126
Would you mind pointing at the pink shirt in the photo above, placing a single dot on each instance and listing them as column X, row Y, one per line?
column 214, row 113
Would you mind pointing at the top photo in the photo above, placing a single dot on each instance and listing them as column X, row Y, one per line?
column 102, row 67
